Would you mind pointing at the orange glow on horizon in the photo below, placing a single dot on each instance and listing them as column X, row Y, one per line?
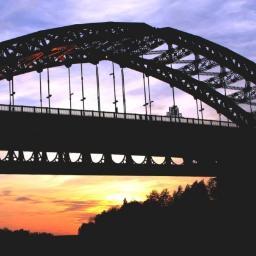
column 60, row 204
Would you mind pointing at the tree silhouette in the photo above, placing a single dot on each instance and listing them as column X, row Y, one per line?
column 213, row 189
column 188, row 221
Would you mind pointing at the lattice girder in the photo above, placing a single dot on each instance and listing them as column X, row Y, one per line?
column 124, row 43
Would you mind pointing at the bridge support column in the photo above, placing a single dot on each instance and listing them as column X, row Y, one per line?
column 85, row 158
column 21, row 157
column 66, row 157
column 236, row 197
column 128, row 159
column 148, row 160
column 108, row 159
column 44, row 157
column 167, row 160
column 11, row 156
column 35, row 157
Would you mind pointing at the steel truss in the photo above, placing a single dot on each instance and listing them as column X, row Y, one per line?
column 125, row 43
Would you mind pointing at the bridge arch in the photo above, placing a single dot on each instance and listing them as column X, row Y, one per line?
column 125, row 44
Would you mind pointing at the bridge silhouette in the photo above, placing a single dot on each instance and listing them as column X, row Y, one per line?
column 206, row 147
column 45, row 140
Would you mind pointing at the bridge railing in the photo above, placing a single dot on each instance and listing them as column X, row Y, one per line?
column 105, row 114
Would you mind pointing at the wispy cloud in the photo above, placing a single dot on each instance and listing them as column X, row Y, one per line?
column 27, row 199
column 79, row 205
column 23, row 199
column 6, row 193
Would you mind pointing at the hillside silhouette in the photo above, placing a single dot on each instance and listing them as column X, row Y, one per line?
column 186, row 222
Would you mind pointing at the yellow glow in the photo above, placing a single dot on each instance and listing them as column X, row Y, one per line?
column 59, row 204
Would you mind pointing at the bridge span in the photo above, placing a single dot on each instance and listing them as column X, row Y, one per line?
column 30, row 134
column 216, row 77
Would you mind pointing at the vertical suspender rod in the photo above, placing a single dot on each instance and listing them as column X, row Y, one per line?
column 173, row 97
column 198, row 76
column 149, row 98
column 145, row 96
column 40, row 89
column 69, row 89
column 98, row 87
column 13, row 92
column 82, row 84
column 114, row 85
column 49, row 94
column 10, row 93
column 201, row 110
column 197, row 110
column 123, row 90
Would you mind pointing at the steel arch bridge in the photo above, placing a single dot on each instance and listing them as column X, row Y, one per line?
column 128, row 45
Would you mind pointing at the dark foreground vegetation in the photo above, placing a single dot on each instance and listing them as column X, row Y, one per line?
column 187, row 222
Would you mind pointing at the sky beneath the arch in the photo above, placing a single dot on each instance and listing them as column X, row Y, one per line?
column 60, row 204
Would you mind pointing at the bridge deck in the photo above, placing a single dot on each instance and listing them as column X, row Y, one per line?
column 42, row 130
column 105, row 114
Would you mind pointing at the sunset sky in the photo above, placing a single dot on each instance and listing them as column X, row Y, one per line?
column 59, row 204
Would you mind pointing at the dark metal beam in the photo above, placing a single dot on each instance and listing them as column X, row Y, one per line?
column 200, row 65
column 212, row 51
column 123, row 169
column 243, row 96
column 227, row 79
column 172, row 55
column 95, row 42
column 198, row 89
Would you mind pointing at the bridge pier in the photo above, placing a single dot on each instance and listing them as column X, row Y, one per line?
column 236, row 199
column 85, row 158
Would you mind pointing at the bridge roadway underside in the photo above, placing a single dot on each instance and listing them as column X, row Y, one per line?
column 216, row 149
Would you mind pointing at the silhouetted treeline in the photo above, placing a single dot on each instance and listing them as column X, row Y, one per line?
column 21, row 233
column 163, row 222
column 23, row 242
column 189, row 221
